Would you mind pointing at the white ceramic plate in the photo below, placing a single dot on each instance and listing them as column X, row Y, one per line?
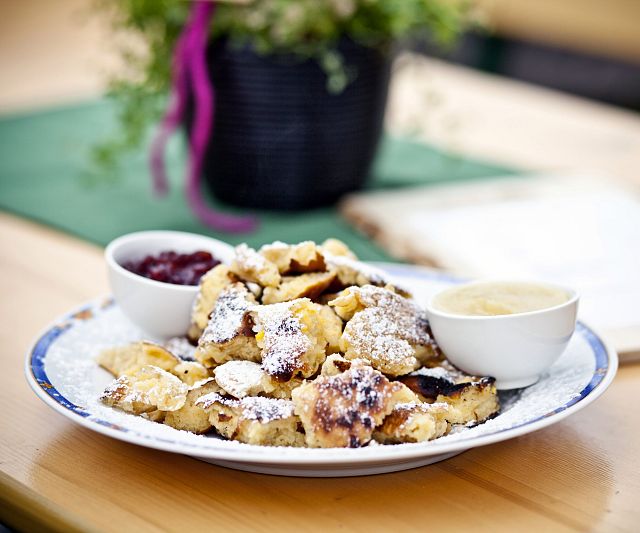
column 61, row 370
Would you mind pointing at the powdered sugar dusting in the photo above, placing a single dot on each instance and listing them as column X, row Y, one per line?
column 284, row 341
column 356, row 396
column 248, row 259
column 387, row 329
column 228, row 316
column 71, row 369
column 435, row 372
column 258, row 408
column 266, row 409
column 240, row 378
column 181, row 347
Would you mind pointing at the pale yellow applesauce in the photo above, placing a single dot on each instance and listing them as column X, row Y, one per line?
column 498, row 298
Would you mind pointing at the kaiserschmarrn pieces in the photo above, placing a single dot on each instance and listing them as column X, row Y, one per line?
column 242, row 378
column 211, row 285
column 246, row 378
column 471, row 399
column 300, row 345
column 250, row 265
column 253, row 420
column 192, row 417
column 384, row 328
column 294, row 258
column 149, row 389
column 127, row 360
column 229, row 334
column 308, row 285
column 413, row 422
column 350, row 272
column 343, row 410
column 291, row 337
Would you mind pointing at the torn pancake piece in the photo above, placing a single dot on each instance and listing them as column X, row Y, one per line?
column 413, row 422
column 192, row 417
column 471, row 399
column 343, row 410
column 246, row 378
column 190, row 372
column 309, row 285
column 350, row 272
column 291, row 337
column 210, row 287
column 384, row 328
column 229, row 335
column 149, row 389
column 129, row 359
column 253, row 420
column 294, row 258
column 250, row 265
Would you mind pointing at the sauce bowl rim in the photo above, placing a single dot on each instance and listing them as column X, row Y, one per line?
column 574, row 298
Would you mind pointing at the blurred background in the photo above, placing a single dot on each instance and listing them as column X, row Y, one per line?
column 57, row 52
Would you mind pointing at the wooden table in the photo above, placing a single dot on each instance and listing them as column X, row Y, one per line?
column 583, row 473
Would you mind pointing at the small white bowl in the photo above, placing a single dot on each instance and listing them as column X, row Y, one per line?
column 161, row 309
column 515, row 349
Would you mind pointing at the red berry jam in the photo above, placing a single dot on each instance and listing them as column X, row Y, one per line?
column 172, row 267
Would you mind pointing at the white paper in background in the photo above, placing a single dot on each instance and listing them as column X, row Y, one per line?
column 589, row 241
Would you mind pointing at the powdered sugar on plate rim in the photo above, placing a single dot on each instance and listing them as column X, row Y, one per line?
column 71, row 385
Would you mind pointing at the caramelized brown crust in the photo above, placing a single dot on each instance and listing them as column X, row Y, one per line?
column 343, row 410
column 430, row 388
column 413, row 422
column 190, row 372
column 471, row 399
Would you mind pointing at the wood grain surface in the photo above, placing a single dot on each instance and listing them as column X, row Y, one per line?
column 581, row 474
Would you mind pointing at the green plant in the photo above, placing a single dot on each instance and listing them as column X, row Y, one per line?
column 306, row 28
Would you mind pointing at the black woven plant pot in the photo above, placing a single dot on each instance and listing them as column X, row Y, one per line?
column 280, row 139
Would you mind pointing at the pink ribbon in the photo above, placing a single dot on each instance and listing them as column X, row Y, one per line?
column 190, row 70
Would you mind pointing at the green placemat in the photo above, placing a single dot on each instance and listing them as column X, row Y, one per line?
column 45, row 175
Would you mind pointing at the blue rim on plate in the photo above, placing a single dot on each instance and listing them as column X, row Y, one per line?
column 605, row 367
